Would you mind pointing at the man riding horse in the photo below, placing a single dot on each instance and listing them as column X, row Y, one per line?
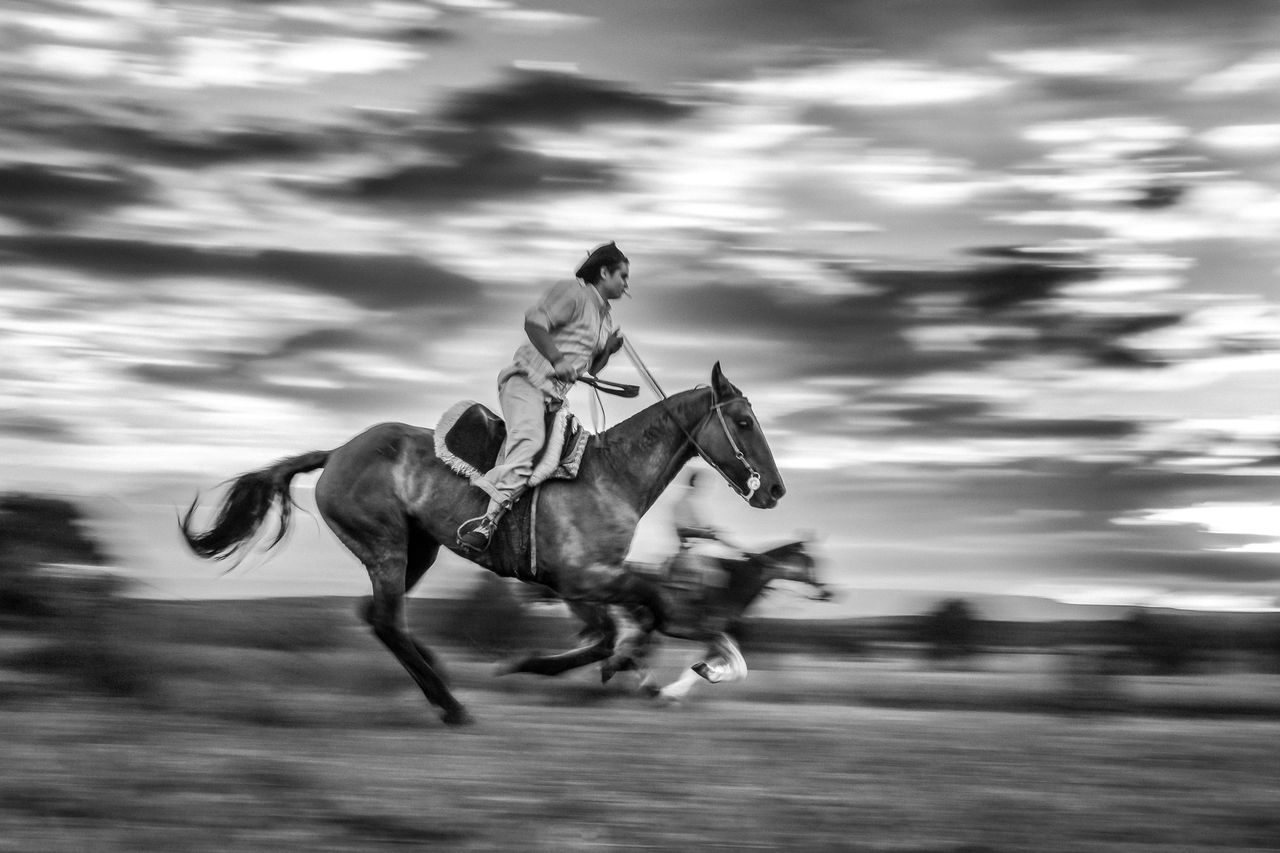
column 571, row 332
column 393, row 496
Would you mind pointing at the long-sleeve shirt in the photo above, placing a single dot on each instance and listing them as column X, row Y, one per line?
column 580, row 323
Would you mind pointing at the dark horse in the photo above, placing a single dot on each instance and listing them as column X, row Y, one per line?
column 749, row 576
column 392, row 502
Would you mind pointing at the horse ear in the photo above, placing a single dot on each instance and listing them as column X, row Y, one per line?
column 723, row 387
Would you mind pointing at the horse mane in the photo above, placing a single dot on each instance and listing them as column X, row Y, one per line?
column 786, row 549
column 650, row 426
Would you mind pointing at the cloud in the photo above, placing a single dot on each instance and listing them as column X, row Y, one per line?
column 189, row 47
column 535, row 97
column 872, row 83
column 1218, row 567
column 37, row 427
column 1243, row 137
column 154, row 135
column 1258, row 73
column 260, row 61
column 1229, row 521
column 47, row 196
column 1072, row 62
column 485, row 153
column 385, row 282
column 76, row 61
column 479, row 166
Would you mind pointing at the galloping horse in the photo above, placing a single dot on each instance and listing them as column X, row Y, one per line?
column 392, row 502
column 749, row 577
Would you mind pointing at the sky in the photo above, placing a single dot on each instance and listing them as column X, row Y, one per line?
column 1001, row 282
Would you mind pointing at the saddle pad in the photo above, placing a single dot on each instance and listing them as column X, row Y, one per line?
column 469, row 438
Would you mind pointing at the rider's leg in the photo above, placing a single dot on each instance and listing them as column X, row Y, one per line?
column 524, row 409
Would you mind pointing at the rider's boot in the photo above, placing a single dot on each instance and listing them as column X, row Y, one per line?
column 474, row 534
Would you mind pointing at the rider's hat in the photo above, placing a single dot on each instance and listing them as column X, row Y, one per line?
column 606, row 254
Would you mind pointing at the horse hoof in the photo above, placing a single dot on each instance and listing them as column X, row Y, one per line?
column 457, row 717
column 705, row 670
column 607, row 672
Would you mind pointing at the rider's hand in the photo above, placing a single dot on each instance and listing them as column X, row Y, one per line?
column 564, row 371
column 614, row 342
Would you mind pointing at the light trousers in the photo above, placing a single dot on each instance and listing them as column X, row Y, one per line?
column 524, row 408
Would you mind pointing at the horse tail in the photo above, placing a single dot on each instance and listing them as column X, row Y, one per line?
column 247, row 505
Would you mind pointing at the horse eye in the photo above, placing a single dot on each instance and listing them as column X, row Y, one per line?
column 743, row 423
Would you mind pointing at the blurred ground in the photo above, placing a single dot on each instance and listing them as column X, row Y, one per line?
column 199, row 730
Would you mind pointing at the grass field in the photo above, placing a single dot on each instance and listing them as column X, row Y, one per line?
column 307, row 737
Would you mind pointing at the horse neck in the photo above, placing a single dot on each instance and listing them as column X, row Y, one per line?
column 747, row 581
column 645, row 452
column 780, row 563
column 750, row 579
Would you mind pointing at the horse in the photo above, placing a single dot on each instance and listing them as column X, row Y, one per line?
column 393, row 503
column 749, row 576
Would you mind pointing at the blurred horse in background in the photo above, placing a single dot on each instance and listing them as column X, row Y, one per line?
column 393, row 502
column 750, row 576
column 719, row 612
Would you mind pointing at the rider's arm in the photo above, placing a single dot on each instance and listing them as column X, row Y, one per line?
column 612, row 345
column 554, row 310
column 543, row 343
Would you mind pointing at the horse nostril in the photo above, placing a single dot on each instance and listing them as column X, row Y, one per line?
column 777, row 490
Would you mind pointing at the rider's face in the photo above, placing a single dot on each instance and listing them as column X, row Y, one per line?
column 614, row 284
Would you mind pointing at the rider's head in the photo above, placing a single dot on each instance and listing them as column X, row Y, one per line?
column 607, row 268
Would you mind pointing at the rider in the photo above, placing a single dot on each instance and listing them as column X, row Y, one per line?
column 696, row 566
column 571, row 332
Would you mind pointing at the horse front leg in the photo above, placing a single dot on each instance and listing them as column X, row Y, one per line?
column 600, row 631
column 722, row 663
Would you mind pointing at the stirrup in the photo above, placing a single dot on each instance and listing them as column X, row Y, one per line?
column 474, row 534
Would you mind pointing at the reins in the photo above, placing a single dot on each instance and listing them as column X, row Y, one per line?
column 617, row 389
column 753, row 476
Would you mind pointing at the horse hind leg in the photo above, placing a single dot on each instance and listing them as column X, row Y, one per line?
column 385, row 615
column 423, row 551
column 631, row 650
column 386, row 556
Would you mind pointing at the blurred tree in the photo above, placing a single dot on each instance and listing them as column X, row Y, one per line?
column 79, row 610
column 35, row 532
column 950, row 630
column 1160, row 643
column 1268, row 643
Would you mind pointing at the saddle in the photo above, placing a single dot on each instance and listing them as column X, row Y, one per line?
column 469, row 438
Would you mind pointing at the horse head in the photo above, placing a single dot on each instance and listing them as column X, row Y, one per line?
column 731, row 440
column 793, row 562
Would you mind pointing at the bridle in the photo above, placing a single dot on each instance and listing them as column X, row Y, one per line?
column 753, row 476
column 717, row 408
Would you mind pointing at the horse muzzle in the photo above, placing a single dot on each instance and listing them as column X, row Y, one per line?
column 822, row 593
column 768, row 497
